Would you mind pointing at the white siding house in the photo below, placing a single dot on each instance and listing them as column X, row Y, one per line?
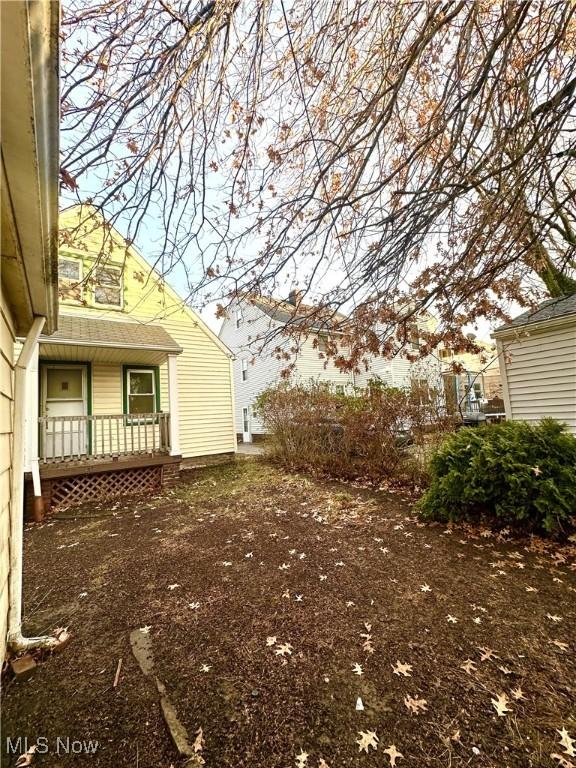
column 402, row 373
column 258, row 365
column 537, row 353
column 251, row 322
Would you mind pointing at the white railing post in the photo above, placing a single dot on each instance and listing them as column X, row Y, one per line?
column 174, row 419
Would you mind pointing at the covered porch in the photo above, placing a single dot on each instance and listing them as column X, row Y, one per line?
column 103, row 399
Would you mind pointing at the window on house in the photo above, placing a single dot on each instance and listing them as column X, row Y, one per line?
column 421, row 391
column 70, row 279
column 244, row 370
column 445, row 354
column 108, row 286
column 339, row 389
column 238, row 318
column 414, row 337
column 141, row 389
column 322, row 344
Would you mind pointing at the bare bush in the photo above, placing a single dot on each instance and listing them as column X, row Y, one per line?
column 382, row 434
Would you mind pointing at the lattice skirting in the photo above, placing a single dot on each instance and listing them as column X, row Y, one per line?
column 83, row 489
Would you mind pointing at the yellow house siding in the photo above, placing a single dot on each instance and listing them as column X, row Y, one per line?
column 106, row 389
column 204, row 376
column 6, row 422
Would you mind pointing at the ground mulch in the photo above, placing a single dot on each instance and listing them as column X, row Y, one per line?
column 260, row 591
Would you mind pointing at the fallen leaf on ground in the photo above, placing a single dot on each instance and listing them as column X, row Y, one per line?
column 566, row 742
column 301, row 759
column 469, row 666
column 415, row 705
column 283, row 649
column 198, row 745
column 26, row 758
column 518, row 694
column 393, row 753
column 402, row 669
column 563, row 762
column 559, row 644
column 500, row 704
column 357, row 669
column 367, row 739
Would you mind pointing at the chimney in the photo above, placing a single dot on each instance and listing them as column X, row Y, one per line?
column 295, row 297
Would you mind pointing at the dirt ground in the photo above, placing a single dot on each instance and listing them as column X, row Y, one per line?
column 297, row 622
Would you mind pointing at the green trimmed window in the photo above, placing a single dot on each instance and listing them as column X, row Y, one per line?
column 141, row 389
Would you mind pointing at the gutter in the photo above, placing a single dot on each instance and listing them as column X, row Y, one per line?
column 15, row 638
column 525, row 329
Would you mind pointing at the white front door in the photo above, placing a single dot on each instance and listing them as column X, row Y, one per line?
column 246, row 430
column 64, row 395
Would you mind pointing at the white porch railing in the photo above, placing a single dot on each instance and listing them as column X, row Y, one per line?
column 81, row 438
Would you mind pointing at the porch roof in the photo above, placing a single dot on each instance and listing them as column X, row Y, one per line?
column 96, row 339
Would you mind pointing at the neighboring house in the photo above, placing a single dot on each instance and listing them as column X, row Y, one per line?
column 537, row 353
column 28, row 292
column 478, row 380
column 423, row 374
column 252, row 321
column 132, row 386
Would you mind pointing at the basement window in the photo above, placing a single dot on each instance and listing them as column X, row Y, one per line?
column 244, row 370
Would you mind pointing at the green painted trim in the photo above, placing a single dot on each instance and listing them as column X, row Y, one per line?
column 42, row 362
column 136, row 367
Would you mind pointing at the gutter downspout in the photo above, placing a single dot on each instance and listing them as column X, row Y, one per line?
column 15, row 638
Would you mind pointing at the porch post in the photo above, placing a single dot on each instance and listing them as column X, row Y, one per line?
column 173, row 406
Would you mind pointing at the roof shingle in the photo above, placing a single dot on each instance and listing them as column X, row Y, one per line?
column 548, row 310
column 97, row 332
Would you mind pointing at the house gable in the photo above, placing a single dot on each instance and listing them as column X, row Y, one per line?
column 204, row 365
column 102, row 254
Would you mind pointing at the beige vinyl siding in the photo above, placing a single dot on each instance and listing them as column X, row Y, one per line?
column 205, row 389
column 540, row 372
column 6, row 422
column 204, row 379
